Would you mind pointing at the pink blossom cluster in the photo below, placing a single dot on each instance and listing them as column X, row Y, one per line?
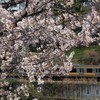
column 19, row 33
column 37, row 42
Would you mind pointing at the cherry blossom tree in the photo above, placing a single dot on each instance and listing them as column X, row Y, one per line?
column 35, row 36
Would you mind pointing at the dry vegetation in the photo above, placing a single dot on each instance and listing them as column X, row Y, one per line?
column 90, row 57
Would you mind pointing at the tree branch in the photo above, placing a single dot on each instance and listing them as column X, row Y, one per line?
column 11, row 3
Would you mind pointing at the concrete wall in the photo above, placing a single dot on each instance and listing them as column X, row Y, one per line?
column 85, row 91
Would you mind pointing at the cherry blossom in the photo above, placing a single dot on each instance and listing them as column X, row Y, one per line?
column 35, row 39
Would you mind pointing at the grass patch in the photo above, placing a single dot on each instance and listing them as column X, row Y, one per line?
column 79, row 50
